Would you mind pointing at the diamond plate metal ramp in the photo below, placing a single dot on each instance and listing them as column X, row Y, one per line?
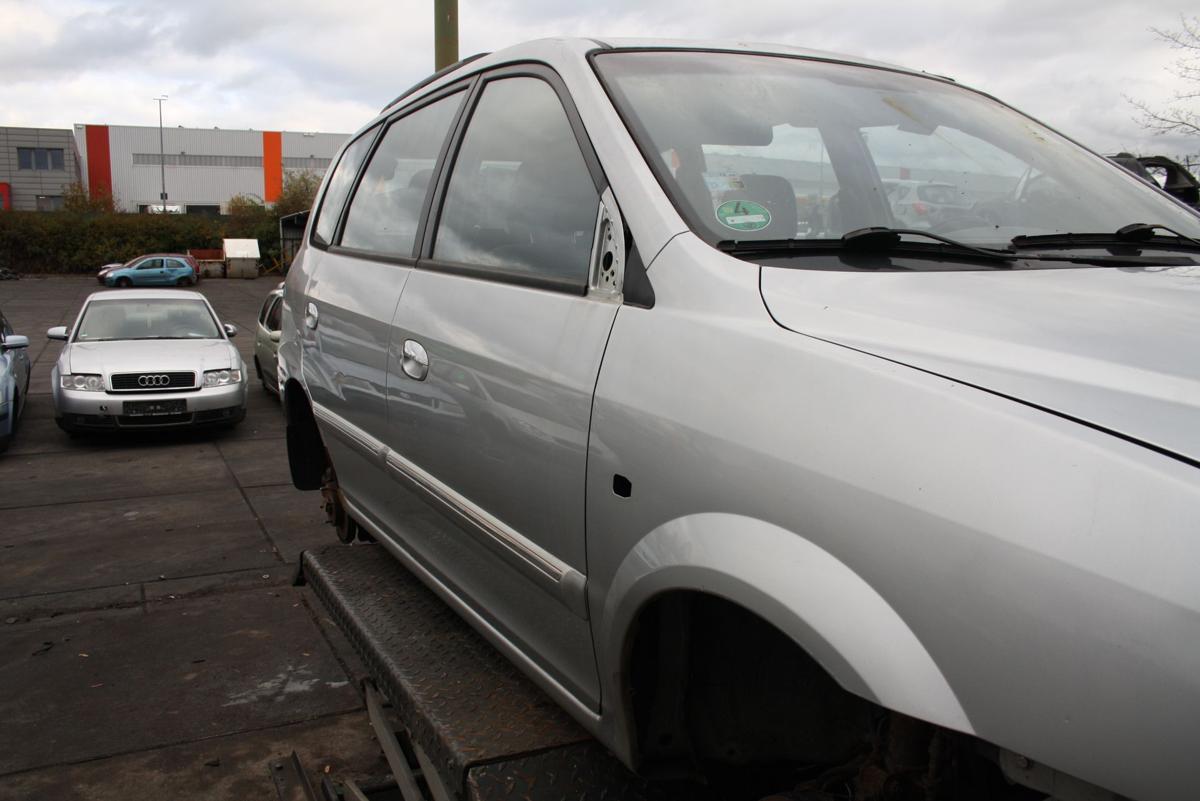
column 462, row 702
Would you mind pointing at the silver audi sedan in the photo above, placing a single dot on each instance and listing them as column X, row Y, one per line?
column 141, row 358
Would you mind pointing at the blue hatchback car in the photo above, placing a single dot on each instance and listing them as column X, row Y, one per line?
column 158, row 269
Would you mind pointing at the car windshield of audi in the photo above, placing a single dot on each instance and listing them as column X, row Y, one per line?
column 147, row 358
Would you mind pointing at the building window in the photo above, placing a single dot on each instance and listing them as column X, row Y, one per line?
column 305, row 163
column 49, row 202
column 210, row 210
column 194, row 160
column 40, row 158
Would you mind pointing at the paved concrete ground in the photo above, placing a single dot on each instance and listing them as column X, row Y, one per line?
column 151, row 643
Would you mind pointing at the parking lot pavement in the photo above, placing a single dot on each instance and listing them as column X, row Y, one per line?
column 151, row 641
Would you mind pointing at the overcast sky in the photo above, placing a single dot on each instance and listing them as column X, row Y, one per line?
column 322, row 65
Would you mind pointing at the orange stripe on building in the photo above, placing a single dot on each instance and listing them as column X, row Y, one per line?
column 272, row 165
column 99, row 161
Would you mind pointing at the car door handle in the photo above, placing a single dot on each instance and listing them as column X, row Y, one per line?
column 415, row 361
column 311, row 315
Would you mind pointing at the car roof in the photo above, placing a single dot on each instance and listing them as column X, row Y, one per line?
column 557, row 49
column 144, row 294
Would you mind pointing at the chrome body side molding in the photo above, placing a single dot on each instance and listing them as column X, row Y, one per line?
column 537, row 564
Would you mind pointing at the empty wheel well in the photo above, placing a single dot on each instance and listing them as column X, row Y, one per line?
column 713, row 687
column 306, row 451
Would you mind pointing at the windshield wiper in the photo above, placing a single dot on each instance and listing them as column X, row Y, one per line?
column 879, row 238
column 1134, row 234
column 875, row 240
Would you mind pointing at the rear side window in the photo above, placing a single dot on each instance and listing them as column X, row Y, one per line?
column 386, row 208
column 521, row 198
column 339, row 186
column 262, row 314
column 274, row 316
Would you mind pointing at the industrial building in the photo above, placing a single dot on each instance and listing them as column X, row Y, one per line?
column 203, row 168
column 36, row 167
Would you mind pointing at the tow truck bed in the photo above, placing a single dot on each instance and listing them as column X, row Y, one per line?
column 487, row 731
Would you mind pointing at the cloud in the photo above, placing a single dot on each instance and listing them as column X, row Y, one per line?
column 312, row 64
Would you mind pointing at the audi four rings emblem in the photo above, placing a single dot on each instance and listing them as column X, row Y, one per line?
column 153, row 380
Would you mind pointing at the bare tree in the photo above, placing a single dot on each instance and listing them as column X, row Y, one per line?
column 1182, row 115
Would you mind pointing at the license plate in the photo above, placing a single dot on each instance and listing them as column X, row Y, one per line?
column 154, row 408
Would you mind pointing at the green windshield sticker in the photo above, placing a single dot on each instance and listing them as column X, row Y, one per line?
column 743, row 215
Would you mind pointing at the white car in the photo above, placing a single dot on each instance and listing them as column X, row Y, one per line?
column 147, row 359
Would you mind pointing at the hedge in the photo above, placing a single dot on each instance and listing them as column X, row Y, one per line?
column 70, row 242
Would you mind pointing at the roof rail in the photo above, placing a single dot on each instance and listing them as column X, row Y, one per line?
column 434, row 77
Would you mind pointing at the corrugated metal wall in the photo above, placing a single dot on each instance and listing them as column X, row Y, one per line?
column 136, row 185
column 139, row 184
column 26, row 185
column 314, row 145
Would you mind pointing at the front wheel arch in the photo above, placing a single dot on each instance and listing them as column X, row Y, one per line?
column 710, row 683
column 834, row 615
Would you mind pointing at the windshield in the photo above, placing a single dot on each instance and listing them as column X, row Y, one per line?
column 146, row 318
column 767, row 147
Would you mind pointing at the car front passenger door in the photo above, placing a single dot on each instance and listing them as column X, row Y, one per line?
column 149, row 272
column 494, row 355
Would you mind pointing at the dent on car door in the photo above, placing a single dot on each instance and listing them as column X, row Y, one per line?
column 355, row 287
column 494, row 356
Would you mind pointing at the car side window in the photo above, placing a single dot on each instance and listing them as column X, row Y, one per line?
column 386, row 208
column 521, row 198
column 266, row 307
column 275, row 315
column 339, row 186
column 151, row 264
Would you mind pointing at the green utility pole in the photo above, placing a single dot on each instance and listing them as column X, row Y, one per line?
column 445, row 33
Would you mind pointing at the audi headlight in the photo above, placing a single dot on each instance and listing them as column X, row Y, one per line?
column 220, row 378
column 81, row 381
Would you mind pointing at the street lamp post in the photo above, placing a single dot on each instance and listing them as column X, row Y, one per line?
column 445, row 33
column 162, row 157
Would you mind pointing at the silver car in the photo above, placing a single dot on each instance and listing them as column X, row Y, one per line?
column 144, row 358
column 266, row 339
column 14, row 380
column 741, row 493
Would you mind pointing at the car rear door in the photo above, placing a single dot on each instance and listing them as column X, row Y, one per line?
column 362, row 257
column 494, row 355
